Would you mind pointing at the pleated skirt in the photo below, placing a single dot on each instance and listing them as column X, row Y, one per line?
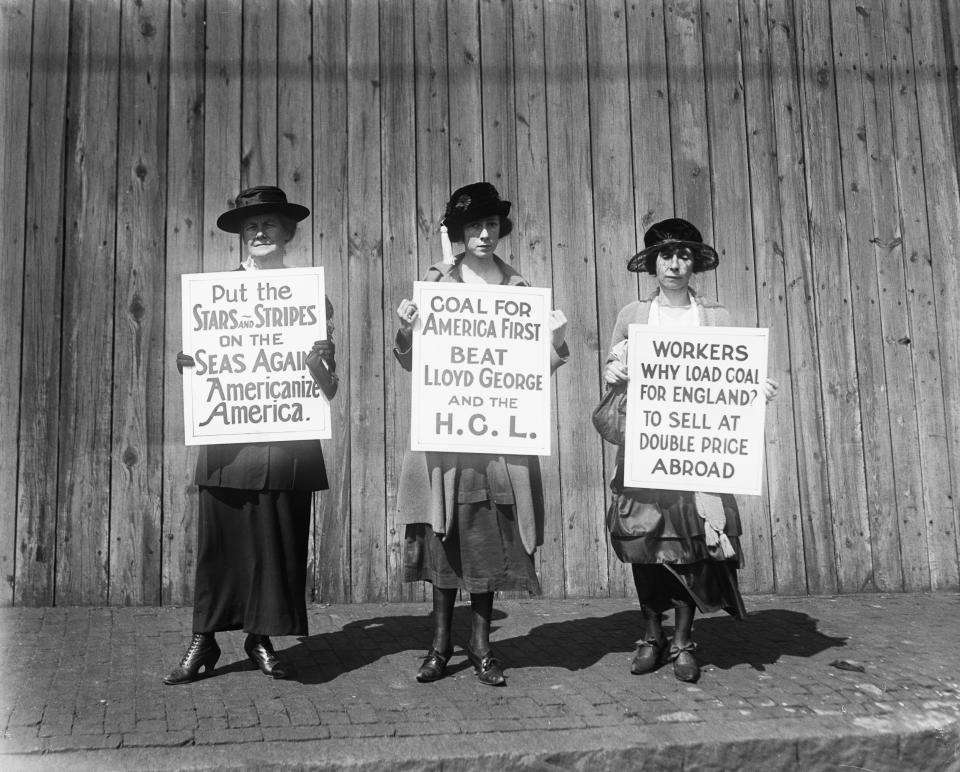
column 252, row 561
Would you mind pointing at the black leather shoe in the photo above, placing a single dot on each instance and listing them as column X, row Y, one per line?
column 650, row 655
column 487, row 668
column 261, row 653
column 434, row 666
column 685, row 666
column 203, row 652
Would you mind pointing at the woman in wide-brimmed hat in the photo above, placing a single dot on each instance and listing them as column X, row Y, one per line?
column 683, row 547
column 472, row 520
column 254, row 498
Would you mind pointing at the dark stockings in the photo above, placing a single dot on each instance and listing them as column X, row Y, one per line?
column 481, row 607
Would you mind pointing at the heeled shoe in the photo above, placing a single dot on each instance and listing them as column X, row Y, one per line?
column 203, row 652
column 261, row 653
column 650, row 656
column 434, row 666
column 486, row 667
column 685, row 666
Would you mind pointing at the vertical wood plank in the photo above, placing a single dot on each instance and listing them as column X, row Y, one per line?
column 16, row 20
column 465, row 92
column 367, row 465
column 688, row 123
column 184, row 245
column 138, row 323
column 259, row 77
column 531, row 244
column 613, row 205
column 83, row 499
column 799, row 278
column 871, row 219
column 397, row 137
column 499, row 135
column 332, row 511
column 943, row 220
column 782, row 493
column 294, row 117
column 736, row 277
column 840, row 385
column 221, row 131
column 922, row 338
column 575, row 292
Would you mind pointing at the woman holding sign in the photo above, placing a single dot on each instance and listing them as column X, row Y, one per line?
column 254, row 498
column 472, row 520
column 683, row 547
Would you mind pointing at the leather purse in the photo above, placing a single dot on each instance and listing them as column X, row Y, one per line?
column 610, row 416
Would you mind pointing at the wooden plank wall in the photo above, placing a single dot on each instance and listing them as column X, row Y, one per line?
column 814, row 143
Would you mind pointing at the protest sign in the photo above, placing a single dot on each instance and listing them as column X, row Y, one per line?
column 249, row 333
column 481, row 369
column 695, row 409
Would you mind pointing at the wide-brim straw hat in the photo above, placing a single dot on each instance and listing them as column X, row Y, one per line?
column 675, row 232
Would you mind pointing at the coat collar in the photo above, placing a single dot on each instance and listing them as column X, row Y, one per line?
column 452, row 272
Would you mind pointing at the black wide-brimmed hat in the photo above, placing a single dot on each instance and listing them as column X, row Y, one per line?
column 474, row 202
column 259, row 200
column 676, row 233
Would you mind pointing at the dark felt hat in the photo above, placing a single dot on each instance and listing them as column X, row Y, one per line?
column 474, row 202
column 677, row 233
column 259, row 200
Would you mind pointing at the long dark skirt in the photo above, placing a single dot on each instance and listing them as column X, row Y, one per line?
column 482, row 553
column 252, row 561
column 662, row 536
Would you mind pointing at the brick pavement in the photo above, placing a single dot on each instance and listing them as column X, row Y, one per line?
column 81, row 688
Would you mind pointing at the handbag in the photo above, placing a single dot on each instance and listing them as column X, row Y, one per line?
column 610, row 416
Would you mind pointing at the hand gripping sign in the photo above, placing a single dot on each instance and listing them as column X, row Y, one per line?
column 249, row 333
column 481, row 369
column 695, row 409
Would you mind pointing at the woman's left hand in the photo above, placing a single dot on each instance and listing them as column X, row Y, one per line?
column 770, row 389
column 326, row 350
column 558, row 328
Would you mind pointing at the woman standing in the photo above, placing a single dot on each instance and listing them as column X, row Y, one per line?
column 254, row 498
column 472, row 520
column 663, row 534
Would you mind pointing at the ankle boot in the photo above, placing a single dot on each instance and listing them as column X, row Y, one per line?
column 203, row 652
column 261, row 653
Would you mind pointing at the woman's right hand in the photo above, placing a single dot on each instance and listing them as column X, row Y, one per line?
column 408, row 313
column 184, row 360
column 615, row 373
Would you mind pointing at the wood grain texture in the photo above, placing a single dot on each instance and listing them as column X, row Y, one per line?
column 184, row 254
column 138, row 307
column 465, row 92
column 15, row 38
column 332, row 510
column 780, row 458
column 365, row 268
column 259, row 94
column 86, row 387
column 799, row 278
column 575, row 291
column 943, row 221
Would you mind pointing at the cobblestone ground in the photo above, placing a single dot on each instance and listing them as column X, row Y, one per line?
column 881, row 668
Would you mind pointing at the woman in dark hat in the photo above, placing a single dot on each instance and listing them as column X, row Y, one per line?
column 663, row 534
column 472, row 520
column 254, row 498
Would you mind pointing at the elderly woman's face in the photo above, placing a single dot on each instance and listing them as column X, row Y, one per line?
column 264, row 236
column 674, row 267
column 481, row 237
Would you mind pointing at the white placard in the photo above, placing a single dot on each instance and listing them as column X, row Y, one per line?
column 481, row 369
column 695, row 409
column 249, row 333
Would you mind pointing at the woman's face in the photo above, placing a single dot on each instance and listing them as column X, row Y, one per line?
column 674, row 267
column 480, row 237
column 264, row 236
